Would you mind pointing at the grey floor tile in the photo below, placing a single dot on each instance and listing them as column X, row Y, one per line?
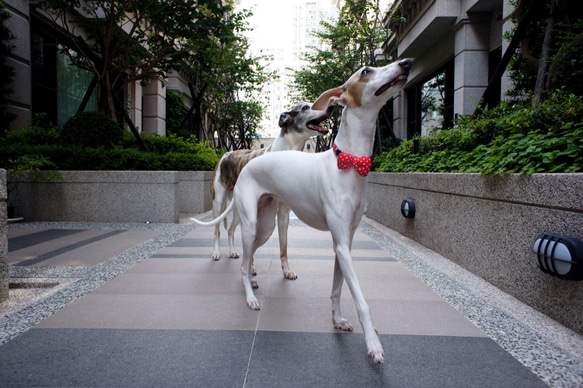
column 126, row 358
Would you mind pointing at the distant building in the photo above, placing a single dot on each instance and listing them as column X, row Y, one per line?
column 306, row 17
column 456, row 46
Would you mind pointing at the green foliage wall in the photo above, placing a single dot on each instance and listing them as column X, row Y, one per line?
column 508, row 139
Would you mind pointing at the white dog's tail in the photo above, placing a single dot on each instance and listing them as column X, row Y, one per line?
column 218, row 219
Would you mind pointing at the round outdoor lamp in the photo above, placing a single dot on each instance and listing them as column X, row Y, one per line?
column 408, row 208
column 559, row 256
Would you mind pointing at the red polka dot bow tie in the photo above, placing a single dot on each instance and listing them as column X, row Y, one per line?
column 361, row 164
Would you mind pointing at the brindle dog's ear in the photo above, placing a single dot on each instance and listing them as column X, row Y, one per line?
column 284, row 119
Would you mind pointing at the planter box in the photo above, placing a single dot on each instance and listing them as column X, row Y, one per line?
column 488, row 226
column 114, row 196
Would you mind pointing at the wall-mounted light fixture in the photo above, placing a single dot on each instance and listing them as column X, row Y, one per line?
column 560, row 256
column 408, row 208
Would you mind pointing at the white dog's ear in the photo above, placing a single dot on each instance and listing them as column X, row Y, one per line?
column 328, row 98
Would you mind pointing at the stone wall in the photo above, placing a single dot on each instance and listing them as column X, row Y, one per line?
column 488, row 226
column 114, row 196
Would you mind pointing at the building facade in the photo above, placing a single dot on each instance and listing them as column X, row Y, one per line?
column 46, row 82
column 456, row 46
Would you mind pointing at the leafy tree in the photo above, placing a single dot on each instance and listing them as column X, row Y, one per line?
column 128, row 41
column 6, row 71
column 240, row 120
column 220, row 76
column 549, row 33
column 348, row 43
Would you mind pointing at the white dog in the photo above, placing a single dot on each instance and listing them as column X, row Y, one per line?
column 322, row 189
column 297, row 126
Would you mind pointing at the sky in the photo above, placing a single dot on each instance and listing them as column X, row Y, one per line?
column 272, row 21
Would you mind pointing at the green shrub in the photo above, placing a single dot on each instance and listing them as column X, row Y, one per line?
column 174, row 113
column 507, row 139
column 165, row 153
column 92, row 129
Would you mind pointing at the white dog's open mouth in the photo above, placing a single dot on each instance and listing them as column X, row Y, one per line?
column 399, row 79
column 314, row 126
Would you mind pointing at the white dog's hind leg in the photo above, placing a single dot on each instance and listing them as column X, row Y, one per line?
column 254, row 234
column 282, row 226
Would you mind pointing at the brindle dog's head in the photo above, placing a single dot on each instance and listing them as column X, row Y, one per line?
column 304, row 121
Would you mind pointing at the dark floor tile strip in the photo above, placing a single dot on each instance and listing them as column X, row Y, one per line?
column 29, row 240
column 60, row 251
column 205, row 358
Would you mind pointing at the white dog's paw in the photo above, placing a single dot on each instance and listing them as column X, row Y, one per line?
column 290, row 275
column 253, row 304
column 253, row 272
column 342, row 324
column 374, row 347
column 234, row 255
column 378, row 355
column 216, row 256
column 254, row 284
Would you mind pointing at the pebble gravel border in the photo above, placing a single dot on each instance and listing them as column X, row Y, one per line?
column 551, row 351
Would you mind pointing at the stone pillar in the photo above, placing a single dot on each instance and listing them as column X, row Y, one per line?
column 154, row 106
column 508, row 26
column 20, row 101
column 471, row 62
column 3, row 238
column 135, row 93
column 400, row 115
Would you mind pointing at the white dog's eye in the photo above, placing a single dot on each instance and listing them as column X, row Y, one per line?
column 305, row 107
column 366, row 71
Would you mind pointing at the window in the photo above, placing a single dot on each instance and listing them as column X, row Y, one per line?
column 430, row 103
column 44, row 81
column 72, row 84
column 58, row 87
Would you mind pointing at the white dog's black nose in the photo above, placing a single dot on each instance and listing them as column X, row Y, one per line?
column 405, row 64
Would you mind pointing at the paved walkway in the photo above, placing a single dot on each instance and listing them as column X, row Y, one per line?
column 142, row 305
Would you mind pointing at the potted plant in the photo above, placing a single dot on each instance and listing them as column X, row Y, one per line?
column 33, row 167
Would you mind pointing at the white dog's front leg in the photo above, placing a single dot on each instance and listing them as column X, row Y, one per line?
column 337, row 320
column 373, row 344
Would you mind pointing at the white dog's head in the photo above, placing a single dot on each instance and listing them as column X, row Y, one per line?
column 369, row 87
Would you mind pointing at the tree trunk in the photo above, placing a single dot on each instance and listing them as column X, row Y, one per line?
column 109, row 96
column 512, row 46
column 88, row 94
column 540, row 88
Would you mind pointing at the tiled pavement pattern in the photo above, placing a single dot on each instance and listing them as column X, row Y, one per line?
column 130, row 305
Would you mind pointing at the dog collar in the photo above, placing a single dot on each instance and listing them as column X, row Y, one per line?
column 361, row 164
